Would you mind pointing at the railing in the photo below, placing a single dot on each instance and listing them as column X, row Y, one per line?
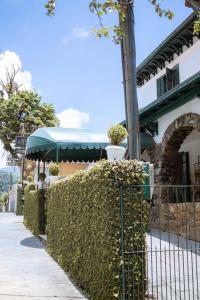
column 167, row 267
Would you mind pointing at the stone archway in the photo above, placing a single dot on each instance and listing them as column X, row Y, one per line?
column 166, row 152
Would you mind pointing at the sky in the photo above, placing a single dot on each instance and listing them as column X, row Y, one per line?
column 80, row 75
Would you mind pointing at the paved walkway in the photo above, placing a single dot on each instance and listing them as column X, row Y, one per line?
column 173, row 267
column 26, row 269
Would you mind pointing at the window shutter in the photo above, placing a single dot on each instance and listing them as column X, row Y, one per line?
column 159, row 87
column 176, row 76
column 169, row 74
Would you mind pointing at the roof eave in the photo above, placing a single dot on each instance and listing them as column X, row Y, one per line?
column 166, row 46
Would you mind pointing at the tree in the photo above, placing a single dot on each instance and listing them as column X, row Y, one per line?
column 195, row 5
column 23, row 108
column 3, row 199
column 9, row 86
column 123, row 33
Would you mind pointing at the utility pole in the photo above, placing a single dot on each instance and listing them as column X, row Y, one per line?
column 130, row 80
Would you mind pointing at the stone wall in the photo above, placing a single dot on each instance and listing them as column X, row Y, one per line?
column 179, row 218
column 164, row 155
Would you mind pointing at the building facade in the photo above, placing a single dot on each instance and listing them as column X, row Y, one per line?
column 169, row 97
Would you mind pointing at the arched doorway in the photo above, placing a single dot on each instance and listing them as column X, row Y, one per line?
column 172, row 166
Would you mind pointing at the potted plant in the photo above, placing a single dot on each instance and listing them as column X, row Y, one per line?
column 54, row 171
column 4, row 201
column 116, row 135
column 30, row 178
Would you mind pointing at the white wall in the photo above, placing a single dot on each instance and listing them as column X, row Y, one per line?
column 189, row 64
column 12, row 205
column 164, row 121
column 192, row 145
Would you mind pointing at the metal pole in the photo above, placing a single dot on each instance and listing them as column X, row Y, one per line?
column 22, row 171
column 38, row 169
column 44, row 166
column 130, row 82
column 57, row 154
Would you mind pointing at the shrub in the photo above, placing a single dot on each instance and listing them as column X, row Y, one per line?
column 117, row 134
column 33, row 210
column 53, row 169
column 4, row 199
column 83, row 226
column 30, row 178
column 30, row 187
column 20, row 201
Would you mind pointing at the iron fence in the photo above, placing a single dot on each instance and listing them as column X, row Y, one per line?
column 160, row 258
column 42, row 211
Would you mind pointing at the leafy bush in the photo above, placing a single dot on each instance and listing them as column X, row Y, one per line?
column 117, row 134
column 31, row 211
column 30, row 187
column 3, row 200
column 83, row 226
column 30, row 178
column 20, row 201
column 53, row 169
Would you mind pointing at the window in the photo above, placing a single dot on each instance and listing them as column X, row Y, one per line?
column 168, row 81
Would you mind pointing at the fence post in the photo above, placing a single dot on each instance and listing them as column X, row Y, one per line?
column 41, row 199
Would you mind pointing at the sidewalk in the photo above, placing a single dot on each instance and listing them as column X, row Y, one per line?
column 26, row 269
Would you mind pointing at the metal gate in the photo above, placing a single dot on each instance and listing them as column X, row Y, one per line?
column 160, row 243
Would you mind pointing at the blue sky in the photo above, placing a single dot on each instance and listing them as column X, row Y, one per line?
column 70, row 67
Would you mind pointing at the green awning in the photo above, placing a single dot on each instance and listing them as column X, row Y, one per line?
column 72, row 145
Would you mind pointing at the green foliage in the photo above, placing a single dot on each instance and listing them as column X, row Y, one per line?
column 20, row 201
column 6, row 180
column 53, row 169
column 23, row 108
column 50, row 6
column 197, row 24
column 4, row 199
column 103, row 7
column 42, row 177
column 117, row 134
column 31, row 210
column 83, row 226
column 30, row 187
column 30, row 178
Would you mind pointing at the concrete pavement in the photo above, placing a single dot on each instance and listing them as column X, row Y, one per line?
column 173, row 267
column 26, row 269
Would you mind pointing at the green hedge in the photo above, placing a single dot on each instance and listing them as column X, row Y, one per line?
column 31, row 211
column 83, row 226
column 20, row 201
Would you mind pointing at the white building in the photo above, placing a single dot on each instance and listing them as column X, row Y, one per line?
column 169, row 98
